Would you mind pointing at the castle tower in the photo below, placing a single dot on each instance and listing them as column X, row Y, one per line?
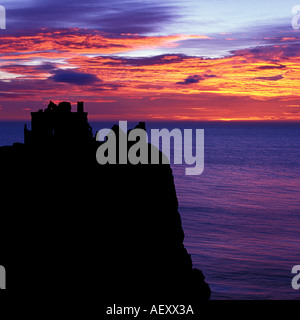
column 80, row 107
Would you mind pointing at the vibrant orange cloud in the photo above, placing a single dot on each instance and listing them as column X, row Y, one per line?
column 231, row 76
column 250, row 84
column 85, row 41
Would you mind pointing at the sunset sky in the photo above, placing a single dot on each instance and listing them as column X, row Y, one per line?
column 152, row 59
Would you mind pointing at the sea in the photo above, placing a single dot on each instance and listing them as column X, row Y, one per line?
column 241, row 216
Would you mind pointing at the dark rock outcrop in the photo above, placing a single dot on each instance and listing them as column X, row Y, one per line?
column 74, row 227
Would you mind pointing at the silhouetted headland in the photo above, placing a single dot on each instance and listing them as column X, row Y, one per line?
column 72, row 224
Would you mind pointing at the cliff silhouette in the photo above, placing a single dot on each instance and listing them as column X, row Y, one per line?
column 72, row 224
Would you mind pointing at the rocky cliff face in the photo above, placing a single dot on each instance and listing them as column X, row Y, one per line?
column 74, row 226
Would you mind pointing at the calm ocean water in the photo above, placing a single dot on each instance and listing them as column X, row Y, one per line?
column 241, row 216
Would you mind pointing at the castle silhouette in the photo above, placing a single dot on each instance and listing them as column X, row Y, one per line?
column 87, row 230
column 57, row 124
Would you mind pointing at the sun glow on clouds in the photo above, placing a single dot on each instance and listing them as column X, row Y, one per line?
column 80, row 64
column 87, row 41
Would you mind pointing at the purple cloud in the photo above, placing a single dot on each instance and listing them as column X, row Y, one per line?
column 274, row 78
column 210, row 76
column 191, row 79
column 74, row 77
column 281, row 66
column 114, row 16
column 146, row 61
column 195, row 79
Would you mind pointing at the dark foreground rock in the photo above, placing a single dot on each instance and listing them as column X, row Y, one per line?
column 73, row 227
